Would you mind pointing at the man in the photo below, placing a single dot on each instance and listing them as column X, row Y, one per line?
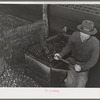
column 85, row 54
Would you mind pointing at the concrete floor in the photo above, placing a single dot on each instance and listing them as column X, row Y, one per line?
column 34, row 13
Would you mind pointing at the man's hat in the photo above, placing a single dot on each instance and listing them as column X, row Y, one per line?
column 87, row 27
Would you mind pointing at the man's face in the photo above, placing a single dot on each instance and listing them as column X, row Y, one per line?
column 84, row 36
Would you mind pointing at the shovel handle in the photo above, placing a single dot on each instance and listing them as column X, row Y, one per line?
column 65, row 61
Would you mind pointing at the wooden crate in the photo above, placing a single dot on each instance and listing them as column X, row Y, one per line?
column 44, row 72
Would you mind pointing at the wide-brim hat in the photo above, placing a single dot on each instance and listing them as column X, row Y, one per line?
column 87, row 27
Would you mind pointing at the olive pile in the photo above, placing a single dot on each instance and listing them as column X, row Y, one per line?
column 53, row 46
column 13, row 76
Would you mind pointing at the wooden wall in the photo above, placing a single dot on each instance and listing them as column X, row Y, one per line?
column 60, row 16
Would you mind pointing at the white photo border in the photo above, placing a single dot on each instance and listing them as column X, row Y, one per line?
column 49, row 93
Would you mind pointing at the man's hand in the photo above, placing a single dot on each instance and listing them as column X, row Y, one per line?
column 57, row 56
column 64, row 29
column 77, row 68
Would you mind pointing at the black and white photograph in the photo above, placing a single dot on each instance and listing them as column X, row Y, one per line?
column 50, row 45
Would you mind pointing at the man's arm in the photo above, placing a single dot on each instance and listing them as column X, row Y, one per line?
column 68, row 47
column 93, row 59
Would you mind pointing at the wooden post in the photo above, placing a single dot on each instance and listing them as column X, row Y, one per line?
column 45, row 18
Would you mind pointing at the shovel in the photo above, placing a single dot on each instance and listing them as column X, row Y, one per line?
column 67, row 62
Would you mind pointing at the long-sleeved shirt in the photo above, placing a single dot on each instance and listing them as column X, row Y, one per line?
column 85, row 53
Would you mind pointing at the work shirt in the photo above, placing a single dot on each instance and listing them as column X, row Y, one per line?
column 86, row 53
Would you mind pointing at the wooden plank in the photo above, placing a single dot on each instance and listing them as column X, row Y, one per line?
column 45, row 18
